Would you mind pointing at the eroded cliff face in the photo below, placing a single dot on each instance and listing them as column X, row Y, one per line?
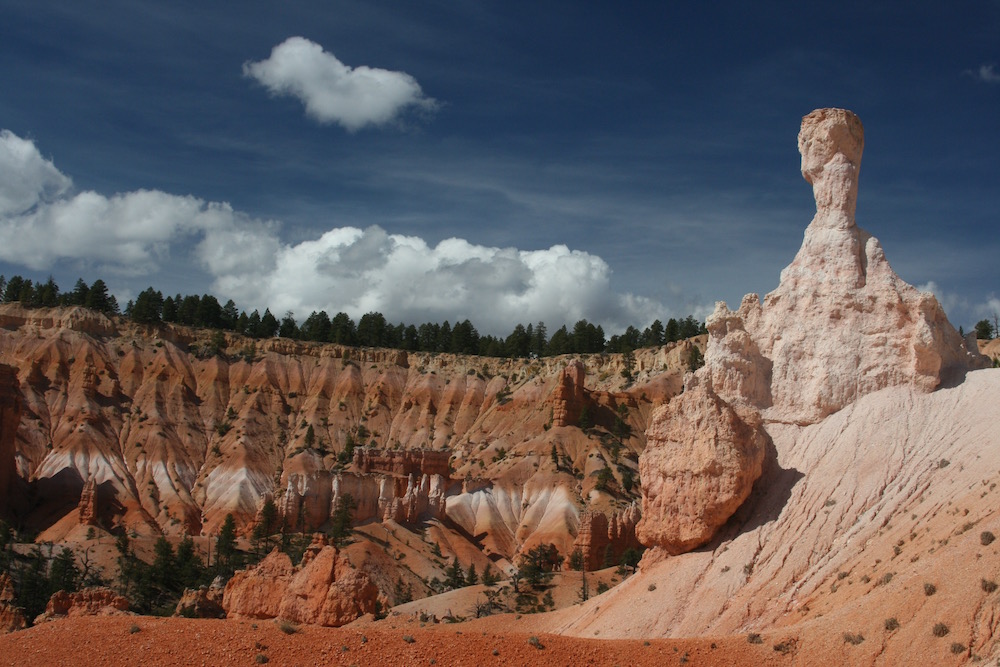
column 124, row 425
column 10, row 417
column 840, row 325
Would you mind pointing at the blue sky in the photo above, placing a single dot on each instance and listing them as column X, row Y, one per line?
column 501, row 161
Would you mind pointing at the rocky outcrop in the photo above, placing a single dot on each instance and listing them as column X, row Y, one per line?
column 601, row 539
column 11, row 617
column 311, row 498
column 325, row 589
column 702, row 457
column 99, row 601
column 841, row 324
column 569, row 398
column 402, row 462
column 88, row 504
column 204, row 602
column 10, row 418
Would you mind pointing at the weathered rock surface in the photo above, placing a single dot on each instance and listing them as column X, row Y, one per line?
column 880, row 491
column 11, row 617
column 10, row 417
column 325, row 589
column 402, row 463
column 702, row 457
column 600, row 538
column 840, row 325
column 99, row 601
column 133, row 427
column 570, row 395
column 204, row 602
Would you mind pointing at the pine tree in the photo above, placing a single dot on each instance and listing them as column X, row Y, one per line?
column 225, row 545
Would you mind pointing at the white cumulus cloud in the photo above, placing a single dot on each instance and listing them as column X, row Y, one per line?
column 43, row 222
column 333, row 92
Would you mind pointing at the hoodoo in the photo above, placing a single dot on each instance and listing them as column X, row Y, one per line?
column 841, row 324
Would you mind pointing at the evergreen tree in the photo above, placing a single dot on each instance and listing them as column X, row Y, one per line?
column 78, row 297
column 471, row 579
column 12, row 291
column 268, row 326
column 225, row 545
column 265, row 527
column 340, row 520
column 48, row 294
column 454, row 577
column 64, row 574
column 97, row 297
column 169, row 311
column 288, row 328
column 148, row 307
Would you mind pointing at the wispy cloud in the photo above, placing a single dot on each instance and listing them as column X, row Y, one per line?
column 333, row 92
column 43, row 222
column 986, row 73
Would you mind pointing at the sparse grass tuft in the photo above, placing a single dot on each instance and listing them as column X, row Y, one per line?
column 262, row 659
column 785, row 647
column 891, row 624
column 287, row 627
column 754, row 638
column 534, row 641
column 408, row 639
column 940, row 630
column 134, row 629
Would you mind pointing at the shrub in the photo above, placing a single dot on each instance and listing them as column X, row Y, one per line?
column 930, row 589
column 651, row 588
column 891, row 624
column 940, row 630
column 408, row 639
column 986, row 538
column 853, row 638
column 287, row 627
column 754, row 638
column 987, row 585
column 134, row 629
column 262, row 659
column 536, row 643
column 957, row 648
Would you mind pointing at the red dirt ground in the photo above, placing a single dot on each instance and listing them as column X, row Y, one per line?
column 151, row 642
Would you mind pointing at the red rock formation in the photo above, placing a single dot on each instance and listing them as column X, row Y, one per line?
column 597, row 533
column 701, row 460
column 204, row 602
column 323, row 590
column 88, row 504
column 570, row 396
column 402, row 462
column 99, row 601
column 11, row 617
column 10, row 419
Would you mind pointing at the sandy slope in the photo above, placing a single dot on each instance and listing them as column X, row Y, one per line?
column 853, row 515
